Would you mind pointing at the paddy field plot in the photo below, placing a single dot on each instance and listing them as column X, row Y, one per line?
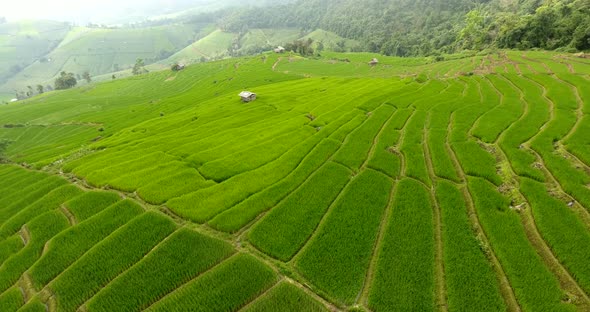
column 412, row 185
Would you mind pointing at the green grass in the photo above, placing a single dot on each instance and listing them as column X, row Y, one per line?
column 227, row 287
column 49, row 202
column 11, row 299
column 470, row 280
column 91, row 203
column 286, row 297
column 66, row 247
column 533, row 284
column 339, row 269
column 404, row 277
column 238, row 216
column 41, row 228
column 223, row 205
column 182, row 257
column 110, row 257
column 10, row 246
column 288, row 226
column 567, row 236
column 355, row 151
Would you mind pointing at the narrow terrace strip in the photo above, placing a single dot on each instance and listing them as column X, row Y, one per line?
column 259, row 297
column 505, row 287
column 566, row 281
column 363, row 297
column 133, row 265
column 191, row 280
column 440, row 285
column 346, row 187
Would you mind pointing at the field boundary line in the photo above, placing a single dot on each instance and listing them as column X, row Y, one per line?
column 579, row 109
column 156, row 247
column 68, row 214
column 579, row 210
column 535, row 238
column 551, row 110
column 262, row 214
column 439, row 265
column 506, row 289
column 320, row 225
column 235, row 254
column 47, row 285
column 363, row 296
column 330, row 209
column 261, row 295
column 25, row 235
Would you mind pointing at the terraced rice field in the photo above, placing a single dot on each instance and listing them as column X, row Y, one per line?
column 461, row 185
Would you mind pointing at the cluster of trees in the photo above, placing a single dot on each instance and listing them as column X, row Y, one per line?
column 40, row 89
column 303, row 47
column 431, row 27
column 65, row 81
column 139, row 67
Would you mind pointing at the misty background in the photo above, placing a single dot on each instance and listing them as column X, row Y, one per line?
column 110, row 11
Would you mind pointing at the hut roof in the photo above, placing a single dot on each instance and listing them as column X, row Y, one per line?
column 246, row 94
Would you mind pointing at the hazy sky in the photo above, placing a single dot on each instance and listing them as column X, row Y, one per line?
column 83, row 10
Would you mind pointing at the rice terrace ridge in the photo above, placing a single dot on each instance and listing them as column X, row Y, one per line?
column 305, row 174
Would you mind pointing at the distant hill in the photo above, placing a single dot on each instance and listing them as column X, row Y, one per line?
column 101, row 51
column 22, row 43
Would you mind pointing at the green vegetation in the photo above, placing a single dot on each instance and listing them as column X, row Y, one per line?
column 353, row 221
column 285, row 297
column 534, row 285
column 109, row 258
column 289, row 225
column 407, row 185
column 227, row 287
column 404, row 277
column 471, row 283
column 65, row 248
column 164, row 269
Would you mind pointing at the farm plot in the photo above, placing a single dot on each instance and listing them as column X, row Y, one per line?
column 109, row 258
column 340, row 269
column 459, row 185
column 404, row 277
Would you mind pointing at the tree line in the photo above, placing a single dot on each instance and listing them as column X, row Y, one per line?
column 431, row 27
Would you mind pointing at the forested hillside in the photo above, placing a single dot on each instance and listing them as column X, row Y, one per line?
column 427, row 27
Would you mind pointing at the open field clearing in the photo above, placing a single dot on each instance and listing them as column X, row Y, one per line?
column 458, row 185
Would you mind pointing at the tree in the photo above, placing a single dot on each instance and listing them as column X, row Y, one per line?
column 473, row 34
column 40, row 89
column 30, row 91
column 3, row 146
column 86, row 76
column 65, row 81
column 138, row 68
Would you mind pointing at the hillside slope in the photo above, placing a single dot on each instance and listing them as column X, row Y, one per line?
column 101, row 51
column 408, row 185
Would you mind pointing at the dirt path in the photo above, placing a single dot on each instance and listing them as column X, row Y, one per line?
column 566, row 281
column 71, row 218
column 274, row 66
column 505, row 288
column 440, row 285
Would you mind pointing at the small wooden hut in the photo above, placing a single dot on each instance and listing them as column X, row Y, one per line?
column 279, row 49
column 247, row 96
column 374, row 62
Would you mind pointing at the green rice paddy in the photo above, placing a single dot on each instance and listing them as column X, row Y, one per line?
column 461, row 185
